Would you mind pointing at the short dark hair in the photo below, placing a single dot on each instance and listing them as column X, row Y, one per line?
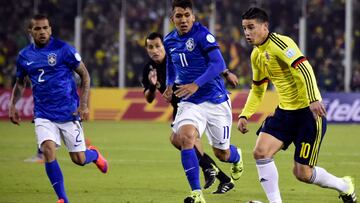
column 255, row 13
column 182, row 3
column 152, row 36
column 37, row 17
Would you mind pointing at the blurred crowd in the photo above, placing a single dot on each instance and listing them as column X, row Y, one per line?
column 325, row 46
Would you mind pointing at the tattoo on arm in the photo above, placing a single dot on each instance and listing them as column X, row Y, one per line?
column 85, row 84
column 17, row 91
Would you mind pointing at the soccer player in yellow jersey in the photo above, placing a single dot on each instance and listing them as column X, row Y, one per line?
column 300, row 116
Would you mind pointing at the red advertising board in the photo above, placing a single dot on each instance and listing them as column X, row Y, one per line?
column 130, row 104
column 25, row 105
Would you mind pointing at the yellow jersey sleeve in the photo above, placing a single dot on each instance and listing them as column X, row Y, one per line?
column 258, row 88
column 288, row 52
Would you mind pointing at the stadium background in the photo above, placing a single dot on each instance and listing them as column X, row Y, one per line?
column 95, row 27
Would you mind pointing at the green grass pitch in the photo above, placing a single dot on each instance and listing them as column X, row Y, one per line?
column 144, row 167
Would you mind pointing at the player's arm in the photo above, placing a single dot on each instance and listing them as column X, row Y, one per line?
column 255, row 96
column 292, row 55
column 170, row 77
column 230, row 77
column 149, row 82
column 216, row 66
column 83, row 73
column 17, row 92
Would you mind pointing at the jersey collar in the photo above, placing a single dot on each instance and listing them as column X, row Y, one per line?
column 265, row 43
column 45, row 47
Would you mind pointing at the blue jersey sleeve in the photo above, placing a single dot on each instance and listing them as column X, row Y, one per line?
column 216, row 66
column 207, row 41
column 71, row 56
column 170, row 70
column 20, row 71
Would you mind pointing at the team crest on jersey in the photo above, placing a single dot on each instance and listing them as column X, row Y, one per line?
column 190, row 45
column 52, row 59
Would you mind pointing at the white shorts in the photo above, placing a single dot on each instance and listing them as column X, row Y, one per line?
column 70, row 132
column 213, row 119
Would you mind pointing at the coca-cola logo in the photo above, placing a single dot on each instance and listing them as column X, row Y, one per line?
column 25, row 105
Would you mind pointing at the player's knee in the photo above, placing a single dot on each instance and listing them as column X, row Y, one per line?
column 188, row 134
column 187, row 140
column 259, row 153
column 302, row 175
column 222, row 155
column 48, row 148
column 174, row 140
column 78, row 159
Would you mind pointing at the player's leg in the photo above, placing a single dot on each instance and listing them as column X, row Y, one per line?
column 306, row 155
column 188, row 134
column 218, row 131
column 210, row 170
column 48, row 139
column 75, row 142
column 265, row 148
column 189, row 125
column 275, row 133
column 319, row 176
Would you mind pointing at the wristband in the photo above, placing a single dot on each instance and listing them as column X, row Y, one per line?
column 226, row 72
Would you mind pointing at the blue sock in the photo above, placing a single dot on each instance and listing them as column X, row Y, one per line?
column 90, row 156
column 191, row 167
column 234, row 155
column 56, row 178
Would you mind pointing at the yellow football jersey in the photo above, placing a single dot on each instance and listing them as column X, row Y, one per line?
column 280, row 60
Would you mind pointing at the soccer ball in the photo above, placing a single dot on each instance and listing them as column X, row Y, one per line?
column 254, row 201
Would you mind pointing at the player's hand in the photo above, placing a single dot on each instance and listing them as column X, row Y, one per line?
column 83, row 112
column 232, row 79
column 185, row 91
column 318, row 109
column 242, row 125
column 14, row 115
column 168, row 93
column 152, row 76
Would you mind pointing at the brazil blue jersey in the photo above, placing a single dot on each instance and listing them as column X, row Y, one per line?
column 188, row 59
column 50, row 70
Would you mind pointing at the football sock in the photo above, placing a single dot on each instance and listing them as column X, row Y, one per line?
column 56, row 178
column 324, row 179
column 234, row 155
column 203, row 162
column 90, row 156
column 221, row 175
column 191, row 167
column 269, row 179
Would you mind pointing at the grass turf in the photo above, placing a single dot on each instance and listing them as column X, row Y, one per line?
column 144, row 167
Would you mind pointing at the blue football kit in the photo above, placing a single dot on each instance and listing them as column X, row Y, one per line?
column 50, row 70
column 195, row 57
column 188, row 58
